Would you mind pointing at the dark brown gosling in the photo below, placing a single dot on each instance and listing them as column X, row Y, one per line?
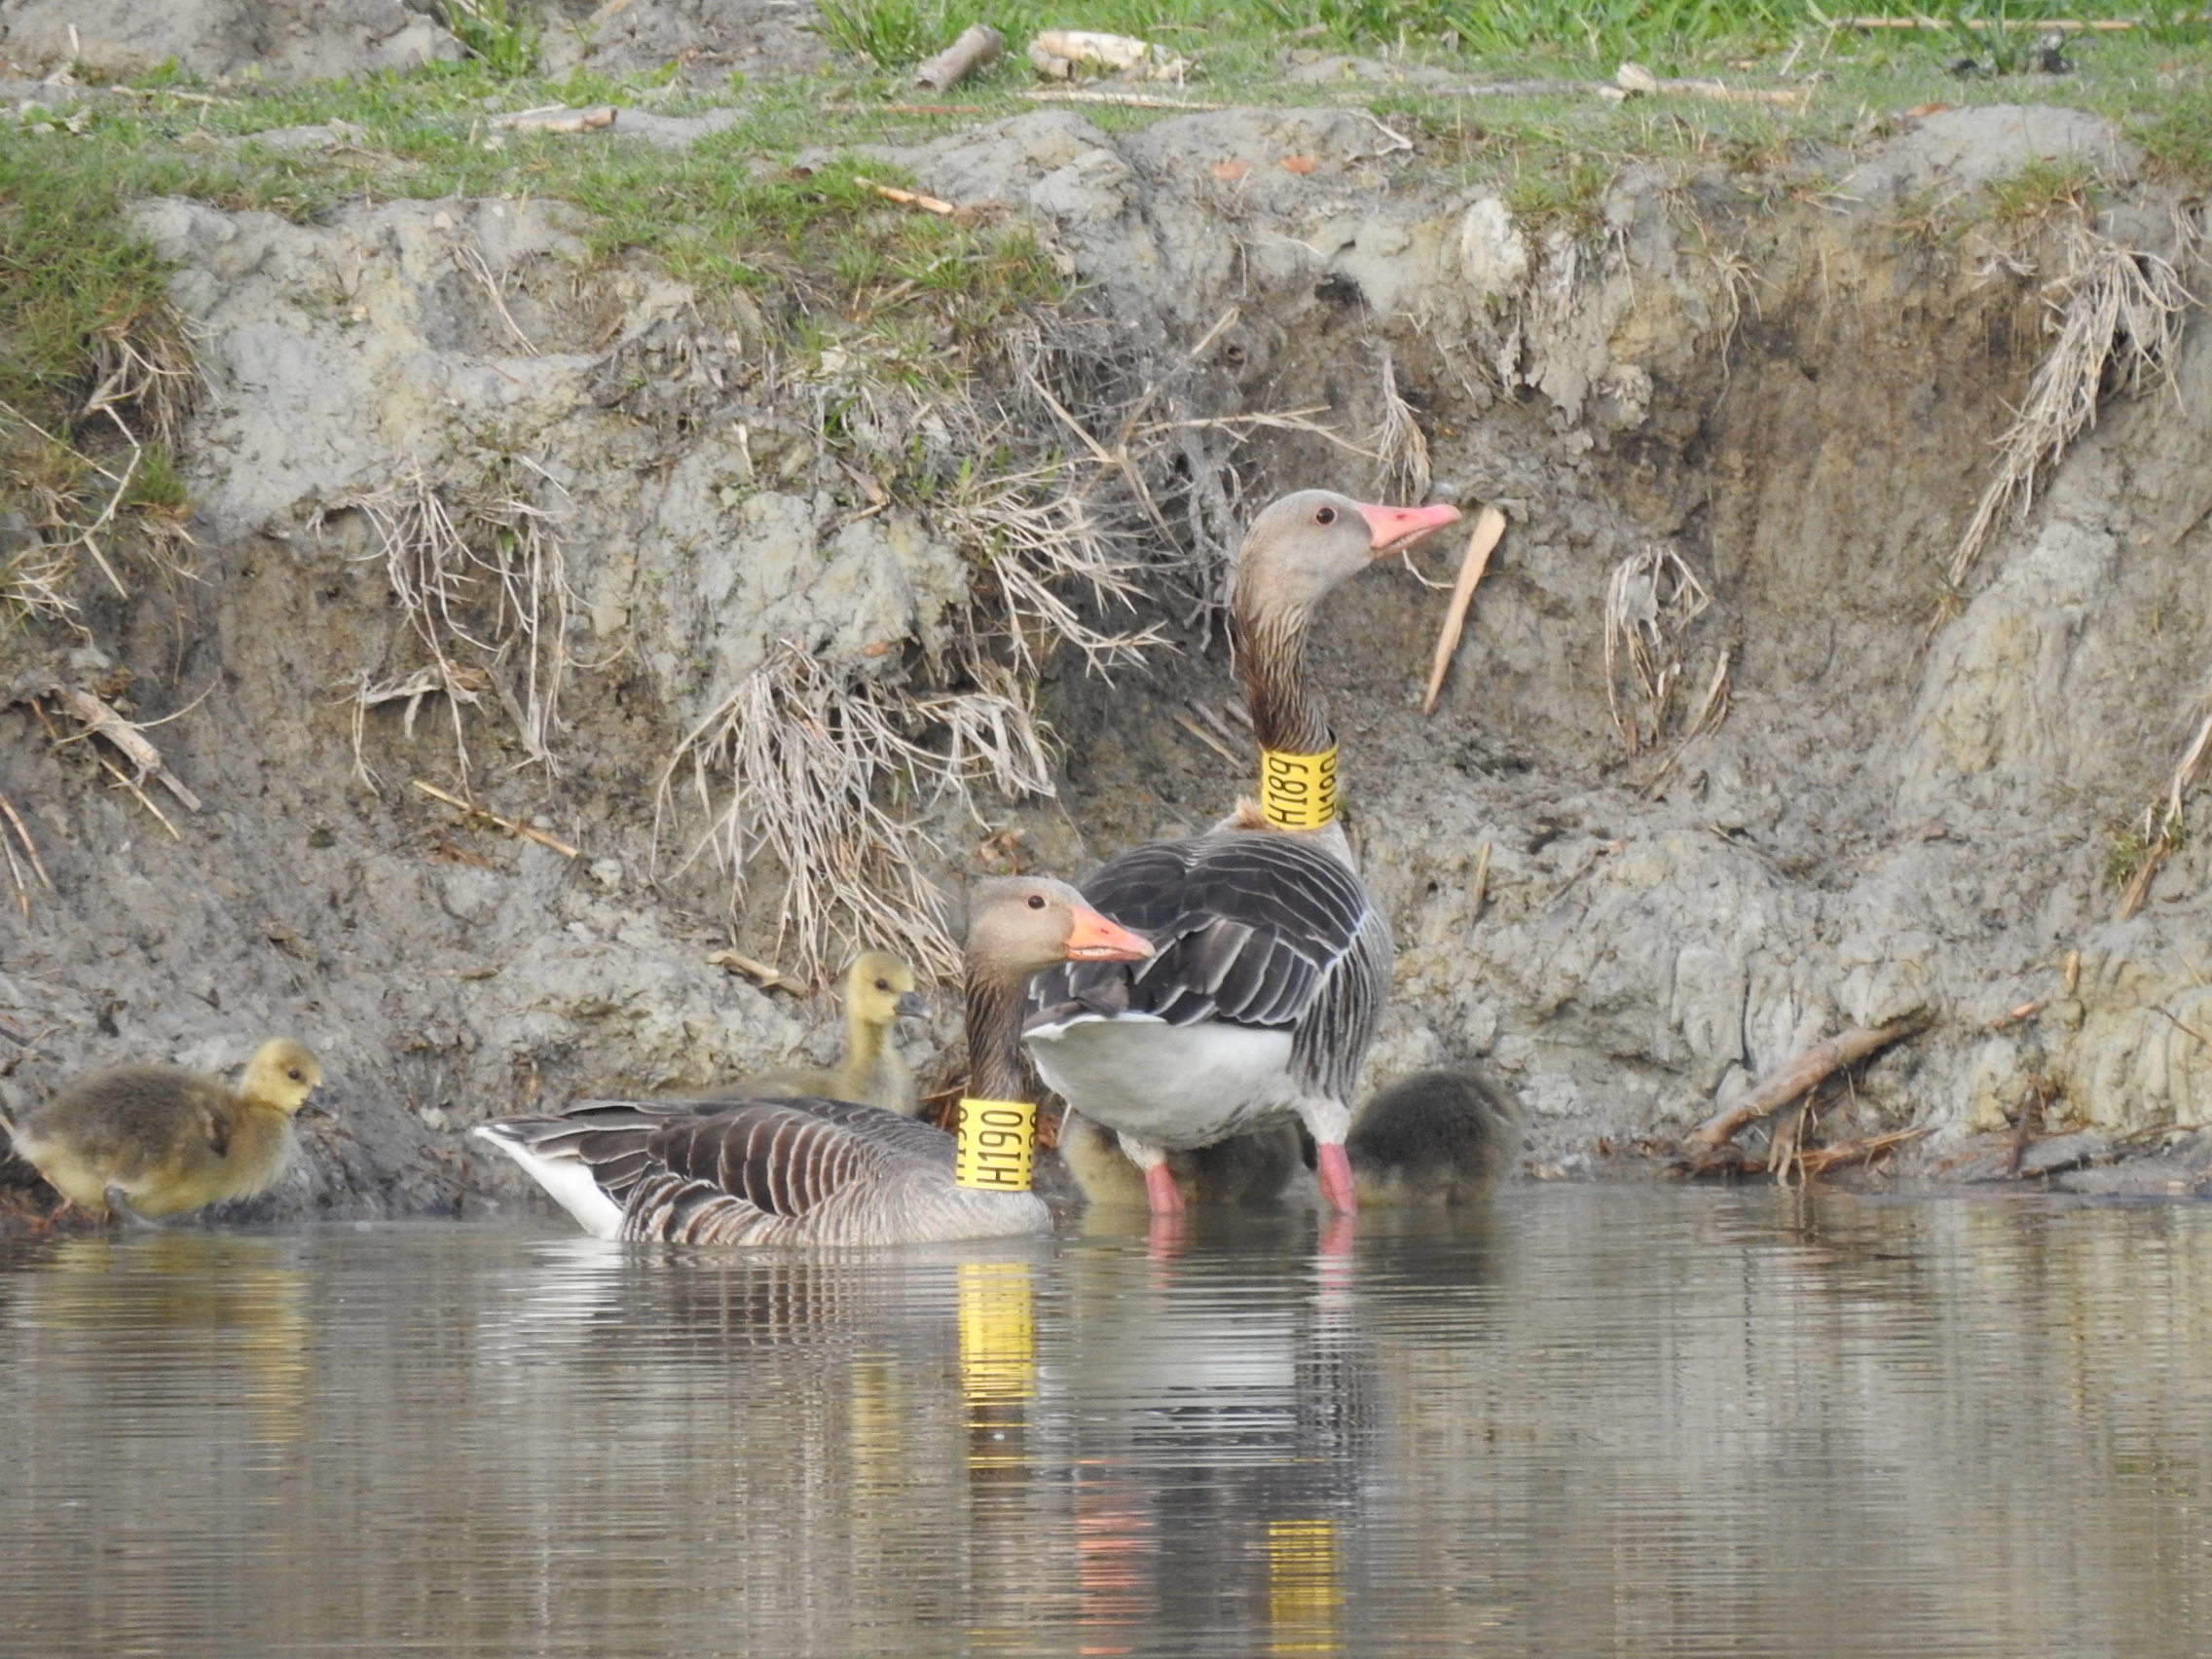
column 1436, row 1137
column 160, row 1140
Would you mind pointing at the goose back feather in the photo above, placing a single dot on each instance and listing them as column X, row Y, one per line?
column 808, row 1170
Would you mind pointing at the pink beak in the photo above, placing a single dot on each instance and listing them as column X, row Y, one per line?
column 1395, row 529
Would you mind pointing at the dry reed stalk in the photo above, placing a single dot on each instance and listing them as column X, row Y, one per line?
column 2116, row 311
column 1489, row 527
column 1651, row 602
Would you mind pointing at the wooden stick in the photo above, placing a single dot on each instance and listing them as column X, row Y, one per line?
column 557, row 118
column 978, row 44
column 1207, row 738
column 144, row 800
column 1126, row 101
column 1795, row 1077
column 99, row 718
column 512, row 826
column 904, row 109
column 771, row 979
column 1489, row 525
column 2014, row 1016
column 1212, row 721
column 909, row 198
column 1820, row 1159
column 1633, row 78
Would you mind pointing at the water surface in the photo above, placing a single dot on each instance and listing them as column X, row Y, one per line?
column 1591, row 1421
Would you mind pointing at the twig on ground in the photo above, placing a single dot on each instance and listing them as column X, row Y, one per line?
column 978, row 44
column 1819, row 1161
column 1795, row 1077
column 769, row 978
column 1128, row 100
column 1481, row 883
column 127, row 736
column 514, row 827
column 1490, row 526
column 909, row 198
column 1633, row 80
column 1208, row 739
column 557, row 118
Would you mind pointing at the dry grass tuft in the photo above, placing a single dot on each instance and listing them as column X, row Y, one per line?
column 485, row 587
column 786, row 770
column 2118, row 316
column 1651, row 602
column 1398, row 443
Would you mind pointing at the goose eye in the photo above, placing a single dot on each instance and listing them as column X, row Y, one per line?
column 1036, row 901
column 1326, row 515
column 883, row 984
column 293, row 1074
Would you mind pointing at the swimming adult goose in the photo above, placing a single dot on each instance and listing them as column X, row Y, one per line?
column 155, row 1140
column 879, row 991
column 1271, row 961
column 819, row 1171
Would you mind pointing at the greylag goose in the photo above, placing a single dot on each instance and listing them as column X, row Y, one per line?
column 819, row 1171
column 879, row 989
column 1436, row 1137
column 1271, row 961
column 155, row 1140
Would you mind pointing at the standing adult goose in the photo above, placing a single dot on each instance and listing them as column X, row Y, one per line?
column 155, row 1140
column 1271, row 959
column 879, row 991
column 812, row 1170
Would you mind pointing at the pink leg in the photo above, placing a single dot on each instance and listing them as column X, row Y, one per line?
column 1335, row 1178
column 1167, row 1199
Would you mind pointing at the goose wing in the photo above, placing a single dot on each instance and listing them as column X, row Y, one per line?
column 722, row 1170
column 1250, row 927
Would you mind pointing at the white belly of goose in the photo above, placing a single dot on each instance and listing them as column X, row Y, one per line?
column 1169, row 1085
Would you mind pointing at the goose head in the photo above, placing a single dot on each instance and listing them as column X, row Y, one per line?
column 1307, row 543
column 1022, row 923
column 283, row 1074
column 879, row 988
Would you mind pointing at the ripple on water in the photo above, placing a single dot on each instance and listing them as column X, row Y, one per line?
column 1622, row 1421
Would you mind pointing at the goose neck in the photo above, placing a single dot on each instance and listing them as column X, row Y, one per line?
column 994, row 1034
column 1270, row 660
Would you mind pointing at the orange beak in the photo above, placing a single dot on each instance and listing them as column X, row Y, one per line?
column 1393, row 530
column 1094, row 939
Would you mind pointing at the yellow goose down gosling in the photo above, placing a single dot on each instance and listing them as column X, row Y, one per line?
column 157, row 1140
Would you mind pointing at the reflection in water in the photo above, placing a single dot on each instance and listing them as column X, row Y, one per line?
column 1591, row 1421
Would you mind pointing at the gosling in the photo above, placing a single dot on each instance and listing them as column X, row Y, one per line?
column 879, row 989
column 159, row 1140
column 1436, row 1137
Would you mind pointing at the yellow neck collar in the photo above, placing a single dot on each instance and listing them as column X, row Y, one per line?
column 1298, row 792
column 993, row 1143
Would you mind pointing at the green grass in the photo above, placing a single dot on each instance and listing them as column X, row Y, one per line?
column 734, row 212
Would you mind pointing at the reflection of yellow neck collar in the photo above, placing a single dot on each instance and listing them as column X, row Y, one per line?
column 993, row 1140
column 1298, row 792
